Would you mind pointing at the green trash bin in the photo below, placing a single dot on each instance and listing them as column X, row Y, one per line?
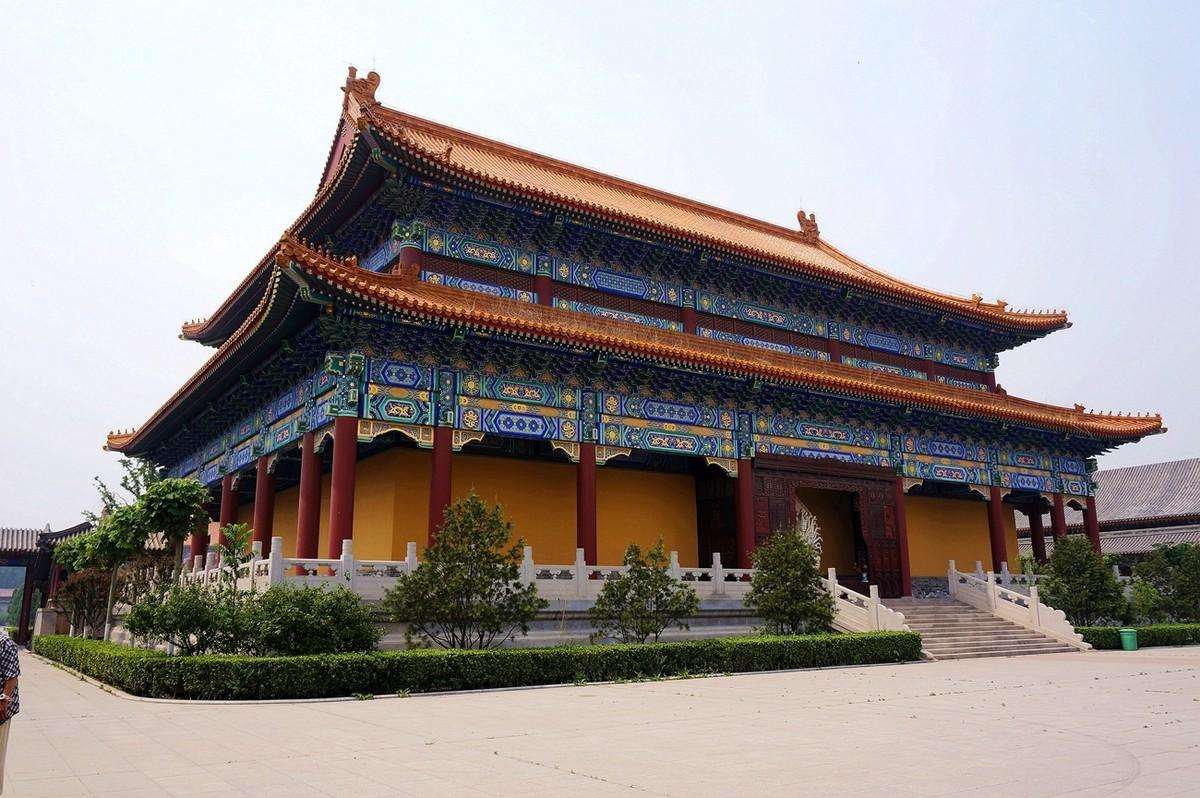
column 1129, row 639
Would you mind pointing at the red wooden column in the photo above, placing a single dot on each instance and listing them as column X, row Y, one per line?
column 996, row 529
column 439, row 479
column 308, row 514
column 1090, row 523
column 544, row 287
column 585, row 502
column 341, row 490
column 264, row 504
column 1058, row 517
column 409, row 262
column 744, row 511
column 1037, row 534
column 688, row 317
column 902, row 538
column 835, row 350
column 227, row 514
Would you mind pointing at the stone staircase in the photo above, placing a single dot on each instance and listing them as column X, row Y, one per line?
column 950, row 629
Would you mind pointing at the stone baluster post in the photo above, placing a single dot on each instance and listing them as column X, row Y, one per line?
column 581, row 573
column 718, row 575
column 833, row 585
column 1035, row 607
column 674, row 566
column 527, row 566
column 346, row 565
column 410, row 557
column 275, row 563
column 873, row 607
column 952, row 578
column 1005, row 576
column 991, row 591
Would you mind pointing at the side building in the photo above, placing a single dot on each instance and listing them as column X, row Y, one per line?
column 612, row 364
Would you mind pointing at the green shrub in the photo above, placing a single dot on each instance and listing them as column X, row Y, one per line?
column 787, row 591
column 1079, row 583
column 153, row 674
column 1174, row 574
column 644, row 600
column 1165, row 634
column 1145, row 603
column 188, row 616
column 467, row 592
column 289, row 621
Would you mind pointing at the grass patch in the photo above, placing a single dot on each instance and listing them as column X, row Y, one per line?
column 156, row 675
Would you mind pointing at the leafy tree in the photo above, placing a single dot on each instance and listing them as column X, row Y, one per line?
column 187, row 616
column 644, row 600
column 174, row 509
column 1081, row 584
column 83, row 597
column 120, row 535
column 787, row 591
column 467, row 593
column 1173, row 572
column 1146, row 603
column 137, row 476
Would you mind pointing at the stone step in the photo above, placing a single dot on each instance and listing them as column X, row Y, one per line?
column 1007, row 636
column 950, row 627
column 1062, row 649
column 998, row 648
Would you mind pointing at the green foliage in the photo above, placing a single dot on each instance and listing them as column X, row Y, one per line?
column 174, row 508
column 1079, row 583
column 83, row 596
column 1146, row 603
column 153, row 674
column 467, row 592
column 290, row 621
column 1165, row 634
column 1173, row 572
column 189, row 616
column 787, row 591
column 137, row 477
column 644, row 600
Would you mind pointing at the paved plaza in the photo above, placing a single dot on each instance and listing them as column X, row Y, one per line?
column 1106, row 723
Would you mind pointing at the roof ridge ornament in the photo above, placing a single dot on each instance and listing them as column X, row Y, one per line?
column 364, row 87
column 809, row 231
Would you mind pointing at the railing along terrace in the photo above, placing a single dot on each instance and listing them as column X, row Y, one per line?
column 575, row 581
column 982, row 591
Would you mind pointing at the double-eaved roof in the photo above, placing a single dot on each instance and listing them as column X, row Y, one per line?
column 256, row 312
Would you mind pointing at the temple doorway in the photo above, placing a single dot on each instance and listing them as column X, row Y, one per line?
column 836, row 517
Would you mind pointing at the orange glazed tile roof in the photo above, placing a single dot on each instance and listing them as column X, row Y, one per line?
column 509, row 168
column 406, row 294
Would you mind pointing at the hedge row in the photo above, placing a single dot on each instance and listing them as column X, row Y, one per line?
column 154, row 674
column 1163, row 634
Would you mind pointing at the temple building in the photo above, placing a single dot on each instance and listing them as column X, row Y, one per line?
column 1137, row 509
column 611, row 363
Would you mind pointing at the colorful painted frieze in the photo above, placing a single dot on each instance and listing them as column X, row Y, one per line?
column 775, row 444
column 478, row 250
column 615, row 404
column 618, row 315
column 489, row 386
column 284, row 432
column 945, row 471
column 616, row 282
column 943, row 447
column 874, row 339
column 398, row 374
column 669, row 438
column 398, row 405
column 956, row 357
column 957, row 383
column 1025, row 480
column 516, row 419
column 787, row 349
column 886, row 368
column 502, row 291
column 804, row 429
column 1024, row 459
column 210, row 474
column 1075, row 486
column 1070, row 465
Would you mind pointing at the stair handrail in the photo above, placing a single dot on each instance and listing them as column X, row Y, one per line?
column 857, row 612
column 1012, row 605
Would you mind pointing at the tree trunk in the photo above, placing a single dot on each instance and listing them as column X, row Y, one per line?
column 108, row 608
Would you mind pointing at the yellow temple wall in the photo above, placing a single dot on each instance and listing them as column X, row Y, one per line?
column 940, row 530
column 391, row 506
column 638, row 506
column 834, row 512
column 537, row 496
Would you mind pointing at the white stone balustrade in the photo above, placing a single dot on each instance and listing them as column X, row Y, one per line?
column 1022, row 609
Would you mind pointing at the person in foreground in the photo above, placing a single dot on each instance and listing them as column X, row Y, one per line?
column 10, row 703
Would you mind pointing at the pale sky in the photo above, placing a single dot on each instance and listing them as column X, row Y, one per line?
column 1046, row 154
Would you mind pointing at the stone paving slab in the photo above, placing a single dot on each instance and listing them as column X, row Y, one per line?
column 1080, row 724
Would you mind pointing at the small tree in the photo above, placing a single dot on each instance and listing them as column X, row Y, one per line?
column 787, row 591
column 82, row 596
column 1079, row 583
column 117, row 537
column 644, row 600
column 174, row 509
column 467, row 593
